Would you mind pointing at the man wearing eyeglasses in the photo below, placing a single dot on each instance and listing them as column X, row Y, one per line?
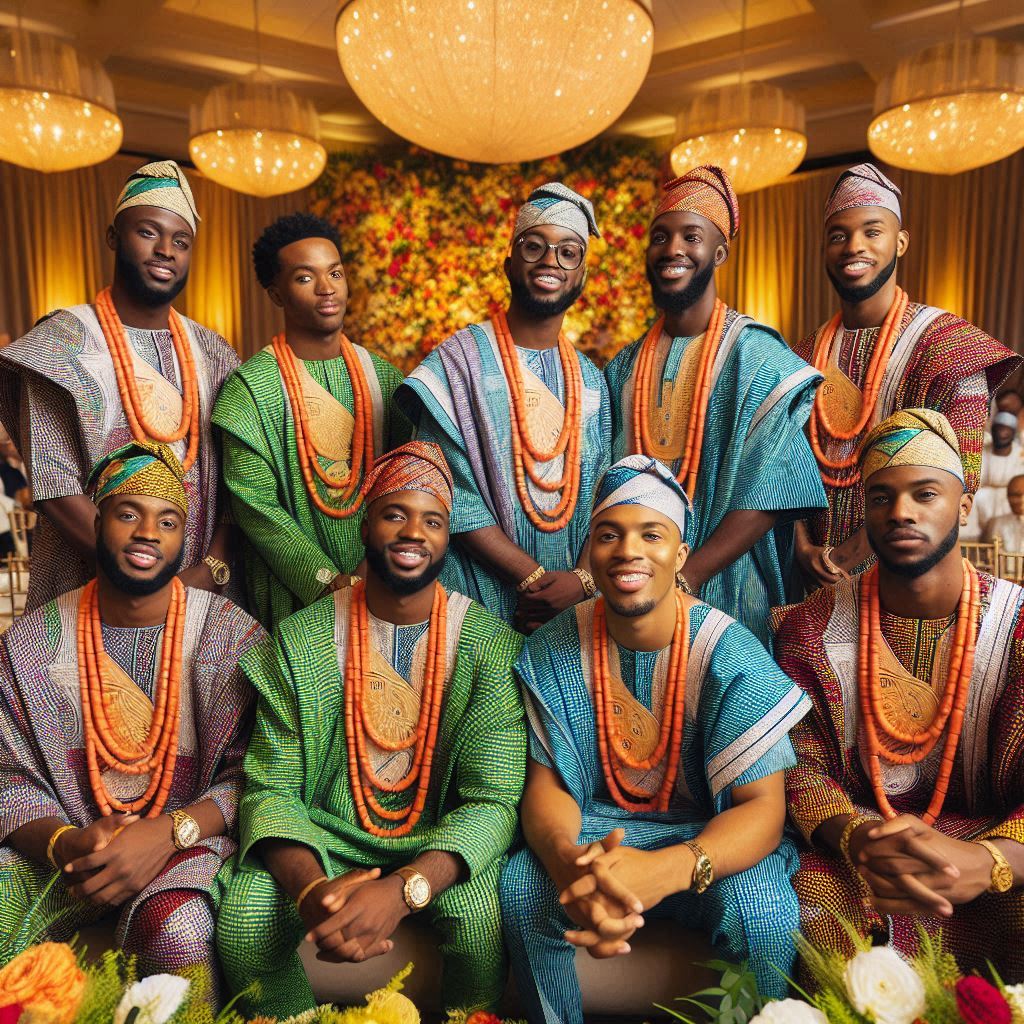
column 525, row 424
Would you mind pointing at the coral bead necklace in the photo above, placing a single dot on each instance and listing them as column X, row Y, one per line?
column 120, row 353
column 882, row 738
column 358, row 727
column 820, row 427
column 350, row 488
column 106, row 746
column 613, row 750
column 645, row 386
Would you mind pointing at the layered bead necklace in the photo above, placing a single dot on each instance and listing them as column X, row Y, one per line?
column 525, row 454
column 350, row 489
column 883, row 739
column 821, row 430
column 106, row 747
column 646, row 385
column 359, row 727
column 613, row 746
column 120, row 353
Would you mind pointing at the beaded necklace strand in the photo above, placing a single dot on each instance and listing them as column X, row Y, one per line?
column 611, row 742
column 525, row 454
column 881, row 736
column 358, row 728
column 120, row 353
column 644, row 395
column 820, row 426
column 105, row 747
column 350, row 488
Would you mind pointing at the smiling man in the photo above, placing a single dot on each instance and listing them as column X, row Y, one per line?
column 302, row 422
column 385, row 767
column 655, row 781
column 523, row 420
column 721, row 400
column 909, row 782
column 123, row 723
column 882, row 352
column 86, row 380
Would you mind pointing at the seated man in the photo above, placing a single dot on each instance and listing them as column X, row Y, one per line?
column 1009, row 529
column 123, row 724
column 385, row 767
column 909, row 781
column 655, row 785
column 1001, row 460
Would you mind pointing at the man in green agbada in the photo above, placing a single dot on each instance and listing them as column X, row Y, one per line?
column 295, row 552
column 423, row 823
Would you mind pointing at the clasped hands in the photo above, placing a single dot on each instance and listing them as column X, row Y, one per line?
column 913, row 869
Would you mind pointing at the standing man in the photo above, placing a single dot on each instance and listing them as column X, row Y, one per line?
column 386, row 764
column 88, row 379
column 909, row 782
column 879, row 353
column 302, row 422
column 723, row 401
column 655, row 782
column 523, row 420
column 123, row 724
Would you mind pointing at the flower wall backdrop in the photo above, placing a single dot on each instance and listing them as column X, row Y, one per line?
column 425, row 239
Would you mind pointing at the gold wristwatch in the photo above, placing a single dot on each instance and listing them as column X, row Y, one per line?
column 185, row 831
column 219, row 570
column 1002, row 873
column 416, row 892
column 703, row 869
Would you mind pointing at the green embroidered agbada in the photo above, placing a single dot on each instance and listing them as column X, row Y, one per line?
column 292, row 550
column 298, row 789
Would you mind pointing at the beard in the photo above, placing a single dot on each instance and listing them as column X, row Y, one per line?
column 131, row 276
column 633, row 611
column 862, row 292
column 677, row 302
column 133, row 586
column 543, row 309
column 914, row 570
column 403, row 586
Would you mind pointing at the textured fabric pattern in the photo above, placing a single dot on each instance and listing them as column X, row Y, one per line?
column 863, row 185
column 415, row 466
column 140, row 467
column 816, row 645
column 60, row 404
column 292, row 550
column 555, row 203
column 299, row 790
column 459, row 398
column 950, row 366
column 163, row 184
column 754, row 455
column 641, row 480
column 42, row 759
column 707, row 191
column 912, row 437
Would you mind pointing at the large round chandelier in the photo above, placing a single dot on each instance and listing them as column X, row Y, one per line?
column 495, row 81
column 951, row 107
column 752, row 130
column 56, row 107
column 255, row 136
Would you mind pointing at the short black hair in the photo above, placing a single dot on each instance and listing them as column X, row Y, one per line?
column 291, row 228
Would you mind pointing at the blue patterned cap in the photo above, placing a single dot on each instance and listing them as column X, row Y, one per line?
column 641, row 480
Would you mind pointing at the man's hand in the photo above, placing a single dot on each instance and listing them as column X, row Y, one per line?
column 199, row 577
column 322, row 910
column 126, row 865
column 80, row 842
column 366, row 922
column 544, row 599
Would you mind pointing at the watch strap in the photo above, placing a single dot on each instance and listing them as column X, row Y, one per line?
column 703, row 869
column 178, row 819
column 1002, row 874
column 219, row 570
column 408, row 876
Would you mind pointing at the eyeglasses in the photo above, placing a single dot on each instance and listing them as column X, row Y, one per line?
column 569, row 254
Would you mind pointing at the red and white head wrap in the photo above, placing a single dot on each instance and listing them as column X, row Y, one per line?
column 415, row 466
column 863, row 185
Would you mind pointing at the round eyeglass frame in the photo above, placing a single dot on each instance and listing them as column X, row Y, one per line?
column 551, row 245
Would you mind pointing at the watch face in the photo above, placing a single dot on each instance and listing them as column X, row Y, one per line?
column 1002, row 878
column 418, row 889
column 186, row 831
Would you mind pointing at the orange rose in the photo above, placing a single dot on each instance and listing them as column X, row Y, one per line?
column 45, row 979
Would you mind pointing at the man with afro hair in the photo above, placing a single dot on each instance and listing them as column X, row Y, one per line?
column 302, row 421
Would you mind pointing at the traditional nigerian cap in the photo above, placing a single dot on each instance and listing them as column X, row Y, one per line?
column 163, row 184
column 555, row 203
column 1005, row 419
column 415, row 466
column 912, row 437
column 863, row 185
column 641, row 480
column 140, row 467
column 705, row 190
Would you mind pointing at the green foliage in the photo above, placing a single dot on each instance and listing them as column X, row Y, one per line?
column 38, row 922
column 107, row 979
column 734, row 1000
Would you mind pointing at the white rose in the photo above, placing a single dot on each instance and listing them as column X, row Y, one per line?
column 883, row 986
column 157, row 997
column 1015, row 997
column 789, row 1011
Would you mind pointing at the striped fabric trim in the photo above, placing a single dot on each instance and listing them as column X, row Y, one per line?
column 438, row 390
column 904, row 351
column 701, row 650
column 783, row 388
column 147, row 184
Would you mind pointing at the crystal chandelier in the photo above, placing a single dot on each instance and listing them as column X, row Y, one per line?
column 495, row 80
column 56, row 107
column 752, row 130
column 951, row 107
